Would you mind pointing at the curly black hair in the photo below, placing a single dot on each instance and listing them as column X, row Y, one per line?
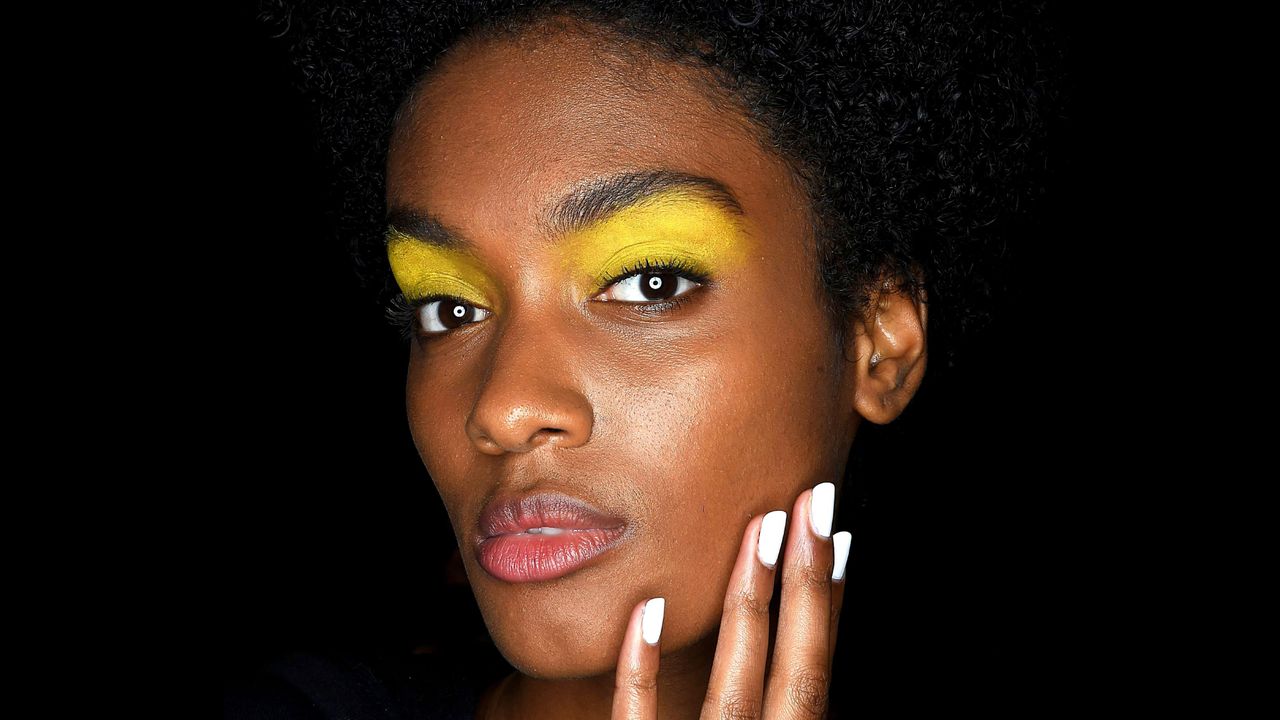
column 912, row 126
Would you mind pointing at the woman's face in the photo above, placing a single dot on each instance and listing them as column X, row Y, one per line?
column 682, row 422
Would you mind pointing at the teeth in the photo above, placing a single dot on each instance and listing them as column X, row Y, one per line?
column 545, row 531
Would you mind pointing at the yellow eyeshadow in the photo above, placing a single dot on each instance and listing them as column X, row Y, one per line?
column 674, row 225
column 422, row 270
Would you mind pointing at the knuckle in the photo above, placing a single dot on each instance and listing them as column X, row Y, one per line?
column 734, row 706
column 807, row 692
column 750, row 604
column 636, row 682
column 740, row 709
column 806, row 576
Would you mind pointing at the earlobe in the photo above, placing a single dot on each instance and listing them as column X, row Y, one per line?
column 888, row 354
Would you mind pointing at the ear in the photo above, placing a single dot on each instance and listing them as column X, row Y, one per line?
column 891, row 332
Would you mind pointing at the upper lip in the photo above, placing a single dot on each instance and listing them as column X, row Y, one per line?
column 517, row 513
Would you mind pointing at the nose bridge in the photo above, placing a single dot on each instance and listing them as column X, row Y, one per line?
column 529, row 396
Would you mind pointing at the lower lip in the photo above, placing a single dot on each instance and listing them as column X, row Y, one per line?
column 523, row 557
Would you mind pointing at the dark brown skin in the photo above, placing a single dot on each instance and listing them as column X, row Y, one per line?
column 691, row 425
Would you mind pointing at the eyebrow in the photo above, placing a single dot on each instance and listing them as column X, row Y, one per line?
column 585, row 205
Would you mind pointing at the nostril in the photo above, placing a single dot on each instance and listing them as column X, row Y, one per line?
column 546, row 436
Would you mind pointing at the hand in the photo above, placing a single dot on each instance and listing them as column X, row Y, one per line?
column 799, row 676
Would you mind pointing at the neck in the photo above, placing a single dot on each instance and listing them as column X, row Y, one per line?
column 682, row 686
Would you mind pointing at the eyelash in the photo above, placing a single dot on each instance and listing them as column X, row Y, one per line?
column 402, row 313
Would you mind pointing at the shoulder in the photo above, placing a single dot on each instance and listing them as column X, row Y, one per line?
column 327, row 686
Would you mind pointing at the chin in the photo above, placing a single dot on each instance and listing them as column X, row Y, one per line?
column 556, row 631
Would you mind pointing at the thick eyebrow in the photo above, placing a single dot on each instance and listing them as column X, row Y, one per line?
column 425, row 228
column 585, row 205
column 592, row 202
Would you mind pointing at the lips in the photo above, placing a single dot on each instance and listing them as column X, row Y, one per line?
column 539, row 537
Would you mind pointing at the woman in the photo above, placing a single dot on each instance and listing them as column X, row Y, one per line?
column 655, row 267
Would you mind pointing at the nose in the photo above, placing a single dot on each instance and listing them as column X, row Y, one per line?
column 530, row 396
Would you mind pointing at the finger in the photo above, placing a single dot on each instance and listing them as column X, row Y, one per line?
column 840, row 543
column 635, row 687
column 737, row 673
column 800, row 677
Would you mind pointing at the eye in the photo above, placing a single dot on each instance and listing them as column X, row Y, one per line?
column 437, row 316
column 649, row 287
column 658, row 284
column 431, row 316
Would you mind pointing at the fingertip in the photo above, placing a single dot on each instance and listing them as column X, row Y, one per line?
column 636, row 682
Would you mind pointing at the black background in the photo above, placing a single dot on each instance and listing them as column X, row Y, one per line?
column 971, row 575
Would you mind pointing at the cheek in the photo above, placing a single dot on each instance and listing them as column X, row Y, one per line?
column 747, row 429
column 434, row 402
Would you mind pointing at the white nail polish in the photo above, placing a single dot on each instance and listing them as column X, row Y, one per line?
column 771, row 531
column 841, row 540
column 651, row 620
column 822, row 506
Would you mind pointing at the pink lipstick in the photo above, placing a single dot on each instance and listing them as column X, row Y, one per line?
column 539, row 537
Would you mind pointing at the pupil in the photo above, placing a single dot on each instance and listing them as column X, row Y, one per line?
column 657, row 286
column 453, row 314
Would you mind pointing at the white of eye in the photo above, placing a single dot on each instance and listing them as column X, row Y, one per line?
column 429, row 315
column 632, row 286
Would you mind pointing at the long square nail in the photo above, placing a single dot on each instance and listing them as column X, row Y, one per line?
column 822, row 506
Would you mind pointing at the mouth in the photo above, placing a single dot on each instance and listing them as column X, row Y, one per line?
column 534, row 538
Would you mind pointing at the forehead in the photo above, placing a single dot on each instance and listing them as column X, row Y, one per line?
column 502, row 128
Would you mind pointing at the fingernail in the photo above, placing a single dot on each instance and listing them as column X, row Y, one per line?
column 841, row 540
column 822, row 506
column 771, row 537
column 651, row 620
